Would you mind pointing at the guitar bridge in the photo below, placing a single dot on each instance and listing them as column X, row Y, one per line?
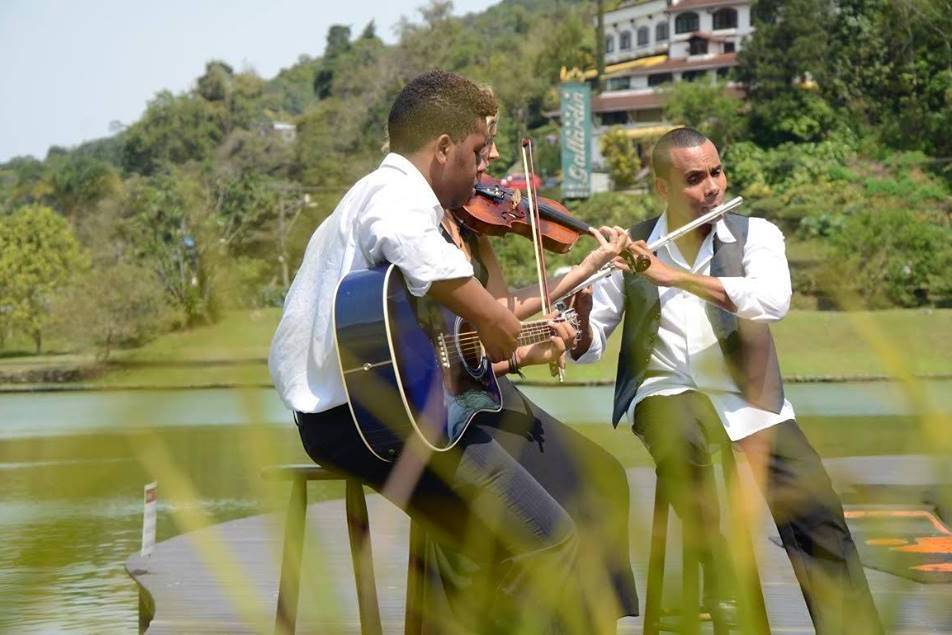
column 441, row 351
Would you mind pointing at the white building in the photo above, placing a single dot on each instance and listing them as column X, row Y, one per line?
column 651, row 43
column 287, row 132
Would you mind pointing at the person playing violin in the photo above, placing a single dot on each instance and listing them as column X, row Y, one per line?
column 513, row 533
column 584, row 481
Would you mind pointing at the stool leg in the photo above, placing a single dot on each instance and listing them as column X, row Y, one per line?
column 659, row 537
column 416, row 564
column 358, row 529
column 690, row 586
column 291, row 559
column 753, row 612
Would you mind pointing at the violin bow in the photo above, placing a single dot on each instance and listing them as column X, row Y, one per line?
column 535, row 224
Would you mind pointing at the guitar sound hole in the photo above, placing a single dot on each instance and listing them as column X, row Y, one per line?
column 469, row 348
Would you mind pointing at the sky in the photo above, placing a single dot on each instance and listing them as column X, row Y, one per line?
column 71, row 67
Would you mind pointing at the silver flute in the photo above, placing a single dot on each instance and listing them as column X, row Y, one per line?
column 608, row 269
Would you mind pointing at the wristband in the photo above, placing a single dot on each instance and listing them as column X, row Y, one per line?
column 514, row 367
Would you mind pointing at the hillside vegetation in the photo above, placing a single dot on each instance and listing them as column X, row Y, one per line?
column 206, row 202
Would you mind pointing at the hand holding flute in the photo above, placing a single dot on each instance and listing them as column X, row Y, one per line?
column 643, row 260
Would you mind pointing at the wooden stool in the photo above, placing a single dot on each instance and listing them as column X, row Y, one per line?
column 358, row 530
column 752, row 613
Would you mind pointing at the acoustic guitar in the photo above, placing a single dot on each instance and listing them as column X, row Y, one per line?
column 409, row 365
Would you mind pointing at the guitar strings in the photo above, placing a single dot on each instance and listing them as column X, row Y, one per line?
column 472, row 343
column 468, row 344
column 528, row 330
column 475, row 347
column 471, row 336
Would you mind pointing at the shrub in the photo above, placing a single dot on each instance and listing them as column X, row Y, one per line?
column 115, row 306
column 621, row 156
column 895, row 257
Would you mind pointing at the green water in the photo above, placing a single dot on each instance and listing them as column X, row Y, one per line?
column 73, row 465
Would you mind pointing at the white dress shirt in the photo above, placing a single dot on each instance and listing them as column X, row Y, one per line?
column 390, row 215
column 687, row 355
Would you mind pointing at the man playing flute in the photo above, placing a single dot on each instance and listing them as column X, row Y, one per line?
column 698, row 365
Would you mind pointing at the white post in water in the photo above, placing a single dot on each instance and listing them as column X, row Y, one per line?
column 148, row 519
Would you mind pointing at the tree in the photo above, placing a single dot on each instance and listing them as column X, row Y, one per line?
column 621, row 156
column 292, row 91
column 784, row 61
column 369, row 32
column 570, row 45
column 113, row 305
column 338, row 43
column 893, row 74
column 78, row 182
column 895, row 257
column 38, row 256
column 166, row 220
column 709, row 108
column 245, row 102
column 24, row 182
column 173, row 130
column 215, row 84
column 242, row 202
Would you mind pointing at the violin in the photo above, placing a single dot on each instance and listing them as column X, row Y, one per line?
column 495, row 211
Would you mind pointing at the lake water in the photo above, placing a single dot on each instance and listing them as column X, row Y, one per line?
column 73, row 464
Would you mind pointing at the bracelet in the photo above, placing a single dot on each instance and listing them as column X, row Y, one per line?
column 514, row 367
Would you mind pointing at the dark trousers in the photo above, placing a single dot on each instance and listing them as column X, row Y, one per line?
column 679, row 430
column 515, row 525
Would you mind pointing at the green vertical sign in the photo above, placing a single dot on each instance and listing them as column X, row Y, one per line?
column 576, row 111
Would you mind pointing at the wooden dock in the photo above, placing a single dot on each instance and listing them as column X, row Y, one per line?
column 224, row 578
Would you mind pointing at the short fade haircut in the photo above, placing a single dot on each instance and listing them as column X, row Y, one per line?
column 435, row 103
column 677, row 138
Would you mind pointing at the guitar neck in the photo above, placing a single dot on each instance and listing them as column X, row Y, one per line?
column 534, row 332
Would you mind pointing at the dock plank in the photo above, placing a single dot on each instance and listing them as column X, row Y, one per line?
column 193, row 594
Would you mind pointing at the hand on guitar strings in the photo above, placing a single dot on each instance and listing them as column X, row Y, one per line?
column 552, row 350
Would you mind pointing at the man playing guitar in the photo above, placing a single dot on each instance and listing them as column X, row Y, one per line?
column 522, row 546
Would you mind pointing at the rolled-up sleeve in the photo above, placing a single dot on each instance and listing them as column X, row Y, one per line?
column 763, row 293
column 608, row 303
column 409, row 237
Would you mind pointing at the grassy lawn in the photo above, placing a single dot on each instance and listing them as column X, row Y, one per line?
column 811, row 343
column 826, row 343
column 240, row 335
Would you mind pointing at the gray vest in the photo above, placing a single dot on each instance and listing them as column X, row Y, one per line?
column 747, row 346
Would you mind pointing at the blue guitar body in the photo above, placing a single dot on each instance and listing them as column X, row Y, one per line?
column 405, row 366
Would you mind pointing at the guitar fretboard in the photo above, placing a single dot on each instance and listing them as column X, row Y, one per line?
column 540, row 331
column 531, row 333
column 534, row 332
